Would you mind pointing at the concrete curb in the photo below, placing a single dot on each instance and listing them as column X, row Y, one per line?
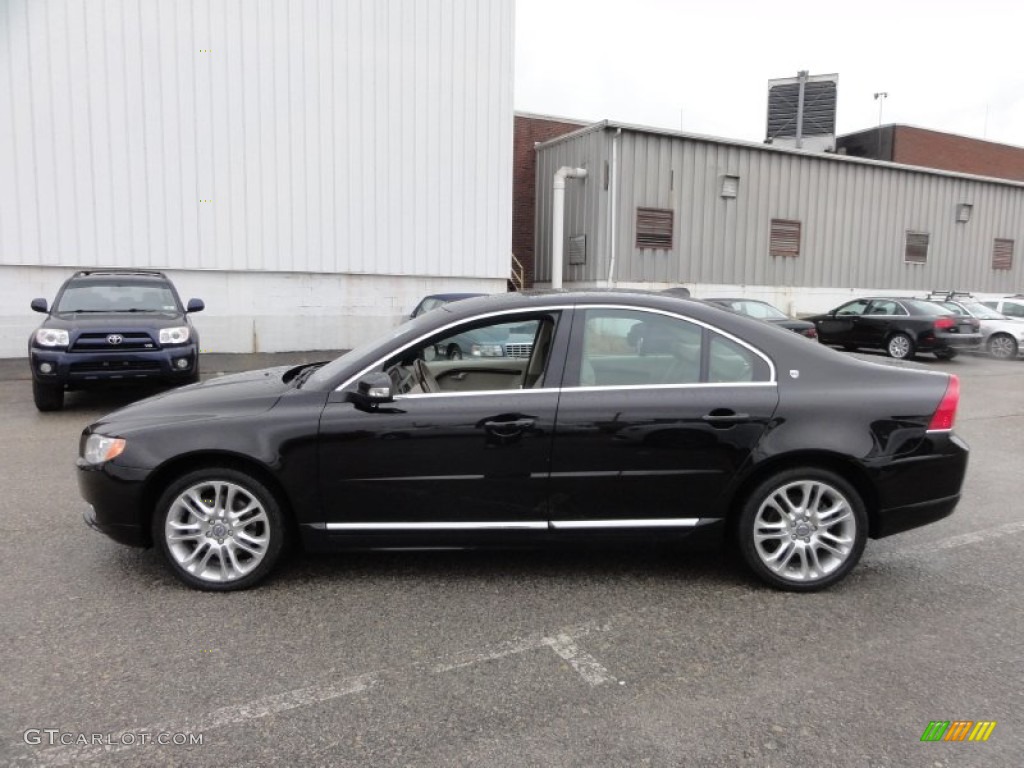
column 210, row 363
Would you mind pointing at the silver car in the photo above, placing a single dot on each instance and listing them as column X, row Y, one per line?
column 1002, row 336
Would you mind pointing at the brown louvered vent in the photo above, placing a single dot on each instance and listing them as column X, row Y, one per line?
column 654, row 228
column 785, row 239
column 917, row 248
column 1002, row 254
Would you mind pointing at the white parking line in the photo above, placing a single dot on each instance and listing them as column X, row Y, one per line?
column 562, row 642
column 588, row 667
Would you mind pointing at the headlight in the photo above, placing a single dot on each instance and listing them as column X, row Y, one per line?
column 52, row 337
column 174, row 335
column 486, row 350
column 100, row 448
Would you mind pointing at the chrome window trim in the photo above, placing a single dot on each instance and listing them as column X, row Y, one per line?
column 507, row 525
column 772, row 379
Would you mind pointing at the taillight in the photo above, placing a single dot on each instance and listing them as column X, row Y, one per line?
column 943, row 323
column 811, row 333
column 945, row 414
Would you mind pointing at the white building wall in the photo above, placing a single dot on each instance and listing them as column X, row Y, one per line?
column 360, row 150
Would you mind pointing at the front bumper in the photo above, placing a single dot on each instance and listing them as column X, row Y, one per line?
column 115, row 498
column 83, row 368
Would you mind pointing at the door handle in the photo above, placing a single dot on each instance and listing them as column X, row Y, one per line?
column 725, row 417
column 508, row 427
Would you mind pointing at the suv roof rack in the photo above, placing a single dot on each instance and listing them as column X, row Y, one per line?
column 948, row 295
column 119, row 271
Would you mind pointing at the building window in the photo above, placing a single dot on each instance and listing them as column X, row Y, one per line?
column 654, row 228
column 916, row 251
column 1002, row 254
column 785, row 238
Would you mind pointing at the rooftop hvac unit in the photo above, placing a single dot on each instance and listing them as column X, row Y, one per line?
column 802, row 112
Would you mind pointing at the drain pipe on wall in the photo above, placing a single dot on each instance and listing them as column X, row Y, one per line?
column 613, row 207
column 558, row 220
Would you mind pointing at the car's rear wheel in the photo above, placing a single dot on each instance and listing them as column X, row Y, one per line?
column 803, row 529
column 1002, row 346
column 48, row 397
column 945, row 354
column 900, row 347
column 219, row 529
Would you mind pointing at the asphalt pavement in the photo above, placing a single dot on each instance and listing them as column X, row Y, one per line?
column 580, row 658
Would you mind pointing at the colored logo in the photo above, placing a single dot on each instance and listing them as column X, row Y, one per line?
column 958, row 730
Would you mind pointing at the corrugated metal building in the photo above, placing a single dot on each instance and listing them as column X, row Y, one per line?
column 804, row 230
column 308, row 168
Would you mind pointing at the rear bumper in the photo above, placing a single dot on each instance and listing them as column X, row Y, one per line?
column 951, row 341
column 920, row 488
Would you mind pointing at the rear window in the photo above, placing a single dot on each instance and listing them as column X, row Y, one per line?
column 927, row 308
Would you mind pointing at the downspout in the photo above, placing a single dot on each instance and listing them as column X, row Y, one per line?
column 558, row 220
column 613, row 207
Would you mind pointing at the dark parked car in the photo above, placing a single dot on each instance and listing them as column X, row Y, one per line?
column 112, row 326
column 711, row 425
column 900, row 326
column 762, row 310
column 506, row 340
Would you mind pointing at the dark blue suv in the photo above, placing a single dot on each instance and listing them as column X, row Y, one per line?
column 108, row 326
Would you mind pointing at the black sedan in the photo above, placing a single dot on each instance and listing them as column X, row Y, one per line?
column 900, row 326
column 705, row 424
column 762, row 310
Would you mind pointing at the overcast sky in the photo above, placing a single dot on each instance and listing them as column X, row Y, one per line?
column 704, row 66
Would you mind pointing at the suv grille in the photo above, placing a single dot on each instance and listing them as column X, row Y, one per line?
column 518, row 350
column 115, row 366
column 97, row 342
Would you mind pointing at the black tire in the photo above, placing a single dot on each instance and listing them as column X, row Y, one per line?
column 850, row 347
column 946, row 354
column 237, row 488
column 454, row 352
column 900, row 347
column 1002, row 346
column 808, row 534
column 48, row 397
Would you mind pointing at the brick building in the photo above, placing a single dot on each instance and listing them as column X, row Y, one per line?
column 530, row 130
column 908, row 145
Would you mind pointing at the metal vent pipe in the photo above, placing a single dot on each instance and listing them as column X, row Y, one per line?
column 558, row 220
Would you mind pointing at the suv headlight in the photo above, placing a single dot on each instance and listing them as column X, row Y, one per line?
column 100, row 448
column 177, row 335
column 52, row 337
column 486, row 350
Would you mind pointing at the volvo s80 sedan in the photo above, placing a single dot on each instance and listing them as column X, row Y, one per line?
column 636, row 416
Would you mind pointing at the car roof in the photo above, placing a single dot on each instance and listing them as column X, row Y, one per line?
column 452, row 296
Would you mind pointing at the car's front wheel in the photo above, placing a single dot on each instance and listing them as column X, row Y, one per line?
column 900, row 347
column 219, row 529
column 48, row 397
column 1002, row 346
column 803, row 529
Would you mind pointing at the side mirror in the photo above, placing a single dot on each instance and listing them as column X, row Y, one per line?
column 373, row 389
column 39, row 305
column 832, row 313
column 195, row 305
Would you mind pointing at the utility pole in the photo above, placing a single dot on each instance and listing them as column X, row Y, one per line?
column 880, row 97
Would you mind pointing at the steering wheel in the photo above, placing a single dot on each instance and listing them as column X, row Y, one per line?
column 425, row 378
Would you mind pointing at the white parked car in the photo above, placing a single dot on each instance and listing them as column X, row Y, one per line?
column 1011, row 306
column 1002, row 336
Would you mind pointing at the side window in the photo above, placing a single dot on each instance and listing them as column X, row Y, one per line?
column 884, row 308
column 476, row 357
column 1013, row 309
column 854, row 308
column 634, row 348
column 731, row 363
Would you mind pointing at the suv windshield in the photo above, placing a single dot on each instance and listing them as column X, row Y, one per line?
column 117, row 296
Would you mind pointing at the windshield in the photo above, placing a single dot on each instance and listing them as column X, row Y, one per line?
column 758, row 309
column 117, row 296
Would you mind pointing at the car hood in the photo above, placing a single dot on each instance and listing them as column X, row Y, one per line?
column 101, row 321
column 224, row 397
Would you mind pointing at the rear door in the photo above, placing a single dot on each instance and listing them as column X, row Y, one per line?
column 657, row 414
column 879, row 322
